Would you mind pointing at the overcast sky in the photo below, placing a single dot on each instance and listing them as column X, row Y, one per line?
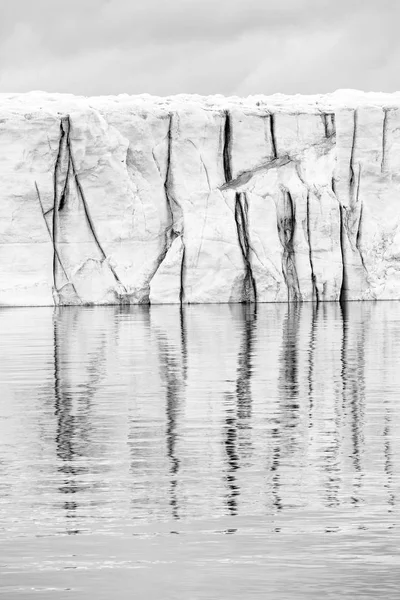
column 199, row 46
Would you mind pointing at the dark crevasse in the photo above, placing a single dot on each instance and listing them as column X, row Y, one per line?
column 249, row 293
column 65, row 179
column 286, row 227
column 313, row 276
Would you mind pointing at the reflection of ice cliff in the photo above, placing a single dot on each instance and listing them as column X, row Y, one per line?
column 176, row 412
column 141, row 413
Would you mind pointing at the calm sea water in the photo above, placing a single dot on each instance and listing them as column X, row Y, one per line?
column 210, row 452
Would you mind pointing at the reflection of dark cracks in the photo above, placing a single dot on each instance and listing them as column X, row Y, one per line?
column 311, row 352
column 286, row 228
column 172, row 408
column 230, row 444
column 242, row 227
column 388, row 452
column 276, row 461
column 353, row 390
column 182, row 276
column 289, row 372
column 287, row 418
column 238, row 417
column 182, row 321
column 245, row 367
column 171, row 364
column 73, row 431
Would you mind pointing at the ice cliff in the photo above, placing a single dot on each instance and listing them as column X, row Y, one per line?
column 138, row 199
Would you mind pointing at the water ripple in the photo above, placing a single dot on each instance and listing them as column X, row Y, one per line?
column 259, row 442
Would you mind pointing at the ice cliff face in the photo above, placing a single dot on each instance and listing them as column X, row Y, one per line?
column 189, row 199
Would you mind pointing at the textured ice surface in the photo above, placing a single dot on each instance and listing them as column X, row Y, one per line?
column 137, row 199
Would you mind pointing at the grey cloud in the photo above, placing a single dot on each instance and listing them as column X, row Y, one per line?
column 209, row 46
column 68, row 27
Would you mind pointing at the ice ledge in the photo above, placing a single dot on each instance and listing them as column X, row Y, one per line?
column 343, row 98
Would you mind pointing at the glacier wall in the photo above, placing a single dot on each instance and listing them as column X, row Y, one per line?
column 138, row 199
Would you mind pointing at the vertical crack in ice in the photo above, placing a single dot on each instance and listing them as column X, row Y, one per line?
column 86, row 208
column 84, row 204
column 286, row 228
column 61, row 155
column 227, row 147
column 172, row 232
column 325, row 122
column 169, row 231
column 359, row 227
column 354, row 187
column 343, row 288
column 205, row 210
column 313, row 277
column 182, row 276
column 384, row 139
column 329, row 122
column 55, row 251
column 168, row 172
column 64, row 192
column 272, row 132
column 333, row 123
column 65, row 155
column 352, row 179
column 242, row 227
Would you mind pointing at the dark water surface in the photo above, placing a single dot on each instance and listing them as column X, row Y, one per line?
column 209, row 452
